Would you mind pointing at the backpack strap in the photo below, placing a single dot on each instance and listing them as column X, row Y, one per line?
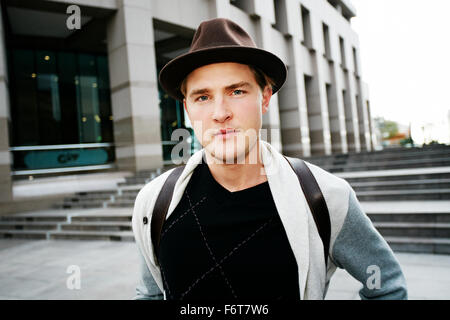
column 161, row 208
column 315, row 200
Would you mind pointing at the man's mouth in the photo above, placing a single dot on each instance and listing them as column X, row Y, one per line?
column 226, row 131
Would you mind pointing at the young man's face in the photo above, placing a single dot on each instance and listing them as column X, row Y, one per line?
column 225, row 106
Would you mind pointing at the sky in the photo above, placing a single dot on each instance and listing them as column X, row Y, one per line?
column 405, row 60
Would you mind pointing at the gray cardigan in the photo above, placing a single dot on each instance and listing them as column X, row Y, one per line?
column 355, row 245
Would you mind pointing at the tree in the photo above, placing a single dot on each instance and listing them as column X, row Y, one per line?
column 388, row 129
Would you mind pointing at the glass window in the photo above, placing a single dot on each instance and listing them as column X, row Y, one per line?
column 104, row 100
column 342, row 49
column 59, row 98
column 88, row 100
column 49, row 109
column 355, row 60
column 172, row 118
column 67, row 75
column 326, row 40
column 25, row 128
column 306, row 24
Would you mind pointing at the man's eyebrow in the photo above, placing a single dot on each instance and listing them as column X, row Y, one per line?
column 238, row 85
column 198, row 91
column 227, row 88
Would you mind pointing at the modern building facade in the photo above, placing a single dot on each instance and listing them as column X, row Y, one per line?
column 79, row 88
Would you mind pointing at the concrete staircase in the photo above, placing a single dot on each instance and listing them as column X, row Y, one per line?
column 387, row 159
column 416, row 182
column 87, row 224
column 412, row 226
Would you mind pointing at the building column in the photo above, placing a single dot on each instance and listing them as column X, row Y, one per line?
column 292, row 97
column 372, row 134
column 351, row 110
column 319, row 125
column 271, row 120
column 363, row 117
column 219, row 8
column 335, row 103
column 5, row 156
column 134, row 87
column 366, row 97
column 364, row 126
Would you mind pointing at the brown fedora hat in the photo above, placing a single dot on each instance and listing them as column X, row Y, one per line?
column 220, row 40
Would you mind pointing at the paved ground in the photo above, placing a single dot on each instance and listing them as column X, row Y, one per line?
column 38, row 270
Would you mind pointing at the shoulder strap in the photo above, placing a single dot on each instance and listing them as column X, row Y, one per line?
column 309, row 186
column 315, row 200
column 161, row 208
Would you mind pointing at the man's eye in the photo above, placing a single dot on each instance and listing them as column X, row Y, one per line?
column 238, row 92
column 202, row 98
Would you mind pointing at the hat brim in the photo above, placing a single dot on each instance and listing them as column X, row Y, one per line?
column 174, row 72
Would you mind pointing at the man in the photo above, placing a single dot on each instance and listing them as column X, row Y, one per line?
column 238, row 224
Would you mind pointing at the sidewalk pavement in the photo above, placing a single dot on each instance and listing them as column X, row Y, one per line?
column 40, row 269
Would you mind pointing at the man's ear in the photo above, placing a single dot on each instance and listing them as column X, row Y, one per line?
column 266, row 95
column 184, row 104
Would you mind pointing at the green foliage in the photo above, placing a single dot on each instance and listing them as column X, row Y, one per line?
column 407, row 142
column 388, row 129
column 432, row 143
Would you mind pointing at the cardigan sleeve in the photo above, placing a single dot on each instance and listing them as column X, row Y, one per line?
column 364, row 254
column 147, row 289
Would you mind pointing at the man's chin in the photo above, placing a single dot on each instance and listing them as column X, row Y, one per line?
column 230, row 157
column 230, row 153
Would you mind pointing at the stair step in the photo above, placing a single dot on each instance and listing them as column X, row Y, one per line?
column 98, row 218
column 84, row 201
column 93, row 235
column 400, row 178
column 419, row 245
column 388, row 166
column 425, row 194
column 418, row 240
column 412, row 225
column 134, row 187
column 81, row 205
column 89, row 197
column 410, row 184
column 386, row 152
column 410, row 217
column 373, row 160
column 433, row 230
column 27, row 225
column 23, row 234
column 104, row 192
column 400, row 174
column 121, row 204
column 34, row 218
column 377, row 155
column 97, row 226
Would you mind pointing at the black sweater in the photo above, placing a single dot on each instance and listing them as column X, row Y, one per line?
column 222, row 245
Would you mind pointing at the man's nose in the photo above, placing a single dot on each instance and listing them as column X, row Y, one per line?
column 222, row 111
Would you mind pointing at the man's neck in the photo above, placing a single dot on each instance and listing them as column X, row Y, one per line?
column 238, row 176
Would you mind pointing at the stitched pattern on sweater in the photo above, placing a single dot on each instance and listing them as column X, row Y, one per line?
column 209, row 248
column 181, row 216
column 223, row 259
